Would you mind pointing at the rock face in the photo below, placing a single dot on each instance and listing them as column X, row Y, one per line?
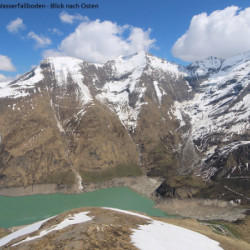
column 69, row 121
column 219, row 114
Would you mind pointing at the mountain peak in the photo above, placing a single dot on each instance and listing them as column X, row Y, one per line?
column 204, row 67
column 124, row 64
column 61, row 61
column 213, row 64
column 236, row 60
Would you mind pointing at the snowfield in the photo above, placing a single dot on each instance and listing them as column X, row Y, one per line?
column 71, row 220
column 26, row 230
column 222, row 102
column 22, row 86
column 161, row 236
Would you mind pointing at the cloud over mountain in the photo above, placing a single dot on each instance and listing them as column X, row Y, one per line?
column 223, row 33
column 6, row 64
column 99, row 41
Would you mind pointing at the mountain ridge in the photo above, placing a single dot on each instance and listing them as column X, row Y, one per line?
column 161, row 118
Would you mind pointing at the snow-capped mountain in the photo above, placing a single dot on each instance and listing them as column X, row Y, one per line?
column 69, row 121
column 220, row 111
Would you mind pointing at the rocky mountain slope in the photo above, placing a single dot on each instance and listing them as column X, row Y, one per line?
column 70, row 122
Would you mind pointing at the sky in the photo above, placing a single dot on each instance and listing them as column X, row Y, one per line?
column 180, row 31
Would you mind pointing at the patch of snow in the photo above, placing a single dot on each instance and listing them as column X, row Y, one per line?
column 116, row 93
column 177, row 112
column 65, row 67
column 231, row 172
column 203, row 67
column 26, row 230
column 127, row 212
column 189, row 87
column 79, row 181
column 59, row 125
column 208, row 173
column 22, row 85
column 235, row 61
column 170, row 115
column 226, row 150
column 71, row 220
column 211, row 150
column 161, row 236
column 159, row 93
column 236, row 192
column 125, row 65
column 165, row 67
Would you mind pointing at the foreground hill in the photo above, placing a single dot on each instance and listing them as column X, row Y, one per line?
column 68, row 122
column 107, row 228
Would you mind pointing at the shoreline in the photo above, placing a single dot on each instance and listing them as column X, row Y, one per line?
column 199, row 209
column 140, row 184
column 203, row 209
column 30, row 190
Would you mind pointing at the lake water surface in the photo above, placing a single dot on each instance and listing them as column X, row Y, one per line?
column 15, row 211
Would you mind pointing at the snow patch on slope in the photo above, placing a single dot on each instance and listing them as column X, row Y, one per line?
column 235, row 61
column 161, row 236
column 213, row 65
column 26, row 230
column 65, row 67
column 59, row 125
column 116, row 93
column 71, row 220
column 201, row 68
column 124, row 65
column 164, row 66
column 127, row 212
column 176, row 110
column 21, row 87
column 159, row 91
column 226, row 150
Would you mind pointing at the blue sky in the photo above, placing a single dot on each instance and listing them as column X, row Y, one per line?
column 123, row 27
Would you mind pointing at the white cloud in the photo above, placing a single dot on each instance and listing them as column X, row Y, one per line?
column 55, row 31
column 97, row 41
column 6, row 64
column 41, row 41
column 4, row 78
column 15, row 25
column 67, row 18
column 53, row 53
column 139, row 39
column 223, row 33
